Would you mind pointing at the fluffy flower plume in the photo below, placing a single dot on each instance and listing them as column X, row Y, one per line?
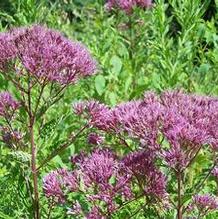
column 46, row 54
column 52, row 186
column 98, row 167
column 56, row 182
column 139, row 119
column 187, row 122
column 99, row 115
column 7, row 105
column 215, row 172
column 99, row 174
column 8, row 50
column 140, row 165
column 128, row 5
column 11, row 138
column 176, row 158
column 188, row 118
column 95, row 139
column 204, row 203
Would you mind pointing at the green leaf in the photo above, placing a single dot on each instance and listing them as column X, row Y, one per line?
column 116, row 64
column 6, row 17
column 204, row 68
column 2, row 215
column 59, row 162
column 100, row 84
column 113, row 98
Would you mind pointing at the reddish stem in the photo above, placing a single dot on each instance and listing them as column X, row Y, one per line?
column 34, row 170
column 179, row 206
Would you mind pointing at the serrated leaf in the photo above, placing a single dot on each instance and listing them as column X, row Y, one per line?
column 100, row 84
column 21, row 156
column 47, row 129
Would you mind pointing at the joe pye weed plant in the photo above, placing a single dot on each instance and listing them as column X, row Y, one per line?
column 41, row 64
column 150, row 170
column 154, row 157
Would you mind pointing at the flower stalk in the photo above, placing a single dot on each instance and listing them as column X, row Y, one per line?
column 34, row 170
column 179, row 190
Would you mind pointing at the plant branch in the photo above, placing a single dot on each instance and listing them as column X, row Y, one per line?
column 179, row 189
column 200, row 184
column 192, row 159
column 39, row 97
column 33, row 168
column 62, row 147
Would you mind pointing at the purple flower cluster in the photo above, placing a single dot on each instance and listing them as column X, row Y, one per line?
column 140, row 165
column 95, row 139
column 52, row 186
column 98, row 115
column 11, row 137
column 204, row 204
column 7, row 105
column 96, row 175
column 56, row 181
column 128, row 5
column 166, row 130
column 139, row 119
column 7, row 49
column 215, row 172
column 46, row 54
column 186, row 122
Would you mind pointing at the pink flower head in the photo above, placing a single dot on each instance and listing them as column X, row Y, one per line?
column 7, row 48
column 99, row 167
column 128, row 5
column 98, row 115
column 52, row 186
column 95, row 139
column 188, row 123
column 95, row 213
column 97, row 174
column 175, row 158
column 10, row 137
column 140, row 119
column 7, row 105
column 141, row 165
column 56, row 181
column 47, row 55
column 215, row 172
column 203, row 202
